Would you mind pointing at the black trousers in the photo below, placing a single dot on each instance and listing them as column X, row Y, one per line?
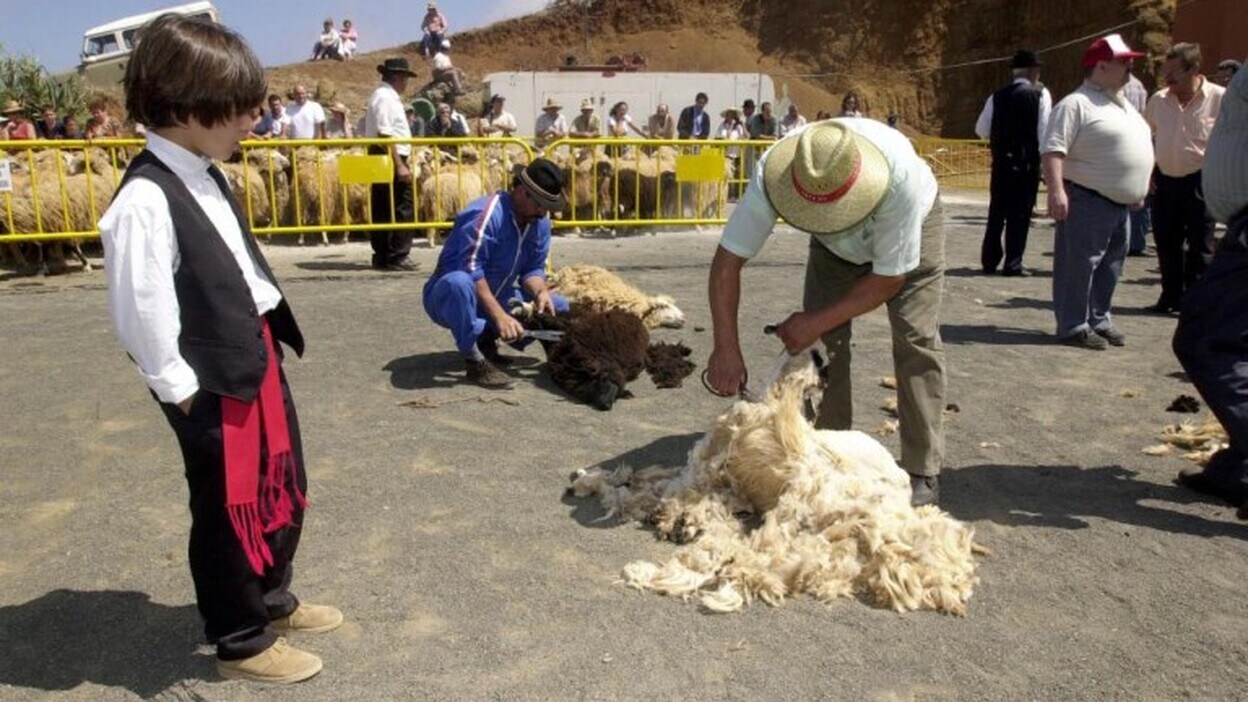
column 1211, row 342
column 1013, row 195
column 236, row 604
column 1180, row 220
column 391, row 246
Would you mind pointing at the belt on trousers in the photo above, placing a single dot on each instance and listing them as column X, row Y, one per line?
column 1090, row 191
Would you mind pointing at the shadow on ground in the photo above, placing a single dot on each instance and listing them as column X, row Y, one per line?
column 1065, row 497
column 993, row 334
column 111, row 638
column 665, row 452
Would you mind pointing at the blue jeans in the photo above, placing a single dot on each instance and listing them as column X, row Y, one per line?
column 1141, row 222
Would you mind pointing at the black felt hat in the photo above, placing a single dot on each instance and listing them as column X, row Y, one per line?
column 396, row 65
column 1025, row 59
column 544, row 182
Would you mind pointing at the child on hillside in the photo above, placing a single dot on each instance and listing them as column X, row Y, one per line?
column 198, row 309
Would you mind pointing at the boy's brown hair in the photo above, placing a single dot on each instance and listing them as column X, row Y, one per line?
column 186, row 67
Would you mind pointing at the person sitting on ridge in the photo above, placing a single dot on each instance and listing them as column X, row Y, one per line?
column 328, row 45
column 434, row 26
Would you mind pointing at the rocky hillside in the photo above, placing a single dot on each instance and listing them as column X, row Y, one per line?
column 924, row 59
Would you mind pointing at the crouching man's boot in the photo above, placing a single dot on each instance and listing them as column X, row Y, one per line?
column 924, row 490
column 280, row 663
column 487, row 375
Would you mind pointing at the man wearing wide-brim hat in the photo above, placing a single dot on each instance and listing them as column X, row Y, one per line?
column 1013, row 121
column 551, row 124
column 17, row 125
column 495, row 255
column 870, row 207
column 586, row 125
column 385, row 117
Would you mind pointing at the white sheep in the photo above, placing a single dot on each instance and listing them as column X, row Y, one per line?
column 836, row 519
column 598, row 289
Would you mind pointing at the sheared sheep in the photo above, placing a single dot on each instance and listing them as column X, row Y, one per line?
column 598, row 289
column 601, row 352
column 832, row 510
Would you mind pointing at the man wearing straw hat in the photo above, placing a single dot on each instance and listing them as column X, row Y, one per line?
column 551, row 124
column 870, row 205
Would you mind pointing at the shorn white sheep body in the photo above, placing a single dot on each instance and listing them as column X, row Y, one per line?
column 599, row 290
column 835, row 512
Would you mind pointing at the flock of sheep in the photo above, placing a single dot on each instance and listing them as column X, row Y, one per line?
column 57, row 190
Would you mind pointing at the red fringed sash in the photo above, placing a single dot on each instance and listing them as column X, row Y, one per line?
column 255, row 509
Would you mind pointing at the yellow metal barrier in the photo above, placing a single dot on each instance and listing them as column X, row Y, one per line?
column 957, row 163
column 59, row 189
column 615, row 182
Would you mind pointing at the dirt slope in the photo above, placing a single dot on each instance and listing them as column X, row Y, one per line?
column 901, row 55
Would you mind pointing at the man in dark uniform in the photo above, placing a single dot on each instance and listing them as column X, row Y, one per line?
column 1013, row 120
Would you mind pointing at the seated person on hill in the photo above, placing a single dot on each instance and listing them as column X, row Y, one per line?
column 328, row 45
column 434, row 26
column 443, row 71
column 347, row 38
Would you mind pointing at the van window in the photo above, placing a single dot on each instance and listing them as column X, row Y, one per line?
column 128, row 37
column 101, row 44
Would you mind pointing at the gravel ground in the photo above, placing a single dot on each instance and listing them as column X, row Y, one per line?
column 466, row 574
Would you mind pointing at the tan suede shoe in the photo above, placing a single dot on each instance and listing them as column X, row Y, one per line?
column 280, row 663
column 309, row 619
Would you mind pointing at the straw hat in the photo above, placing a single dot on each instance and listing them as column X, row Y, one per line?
column 587, row 104
column 552, row 104
column 730, row 111
column 826, row 178
column 339, row 108
column 11, row 106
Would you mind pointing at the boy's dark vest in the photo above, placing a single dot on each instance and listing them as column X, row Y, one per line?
column 1015, row 116
column 221, row 335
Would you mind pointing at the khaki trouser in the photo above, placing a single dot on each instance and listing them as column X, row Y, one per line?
column 918, row 354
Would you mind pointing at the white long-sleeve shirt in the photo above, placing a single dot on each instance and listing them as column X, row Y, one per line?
column 141, row 256
column 983, row 125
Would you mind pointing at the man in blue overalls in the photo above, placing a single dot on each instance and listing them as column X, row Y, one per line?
column 496, row 253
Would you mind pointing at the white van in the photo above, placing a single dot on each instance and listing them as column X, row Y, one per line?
column 105, row 48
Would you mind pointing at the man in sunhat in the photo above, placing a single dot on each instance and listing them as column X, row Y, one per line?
column 495, row 254
column 385, row 118
column 870, row 204
column 551, row 124
column 1097, row 156
column 586, row 125
column 1013, row 121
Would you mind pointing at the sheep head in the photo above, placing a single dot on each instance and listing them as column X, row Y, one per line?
column 663, row 312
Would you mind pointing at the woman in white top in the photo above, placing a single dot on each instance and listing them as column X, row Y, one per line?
column 619, row 122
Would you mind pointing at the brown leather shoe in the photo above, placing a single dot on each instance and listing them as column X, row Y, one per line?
column 487, row 375
column 280, row 663
column 309, row 619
